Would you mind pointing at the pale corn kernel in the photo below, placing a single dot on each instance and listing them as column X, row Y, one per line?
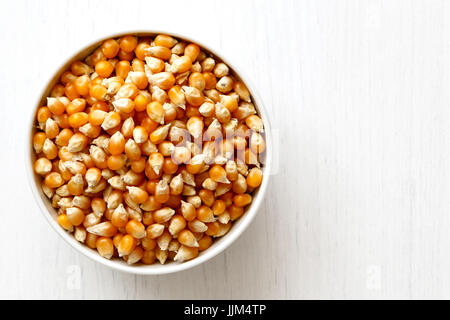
column 80, row 234
column 257, row 143
column 177, row 134
column 225, row 84
column 107, row 173
column 132, row 150
column 161, row 255
column 156, row 161
column 137, row 195
column 162, row 191
column 98, row 188
column 242, row 91
column 49, row 192
column 244, row 110
column 125, row 105
column 117, row 182
column 82, row 202
column 208, row 64
column 135, row 255
column 186, row 253
column 154, row 65
column 176, row 185
column 155, row 230
column 196, row 201
column 196, row 67
column 111, row 120
column 63, row 191
column 166, row 148
column 65, row 202
column 164, row 240
column 114, row 199
column 163, row 215
column 42, row 166
column 163, row 80
column 51, row 128
column 93, row 176
column 193, row 95
column 77, row 142
column 177, row 223
column 174, row 245
column 128, row 127
column 74, row 167
column 224, row 218
column 197, row 226
column 230, row 127
column 49, row 149
column 195, row 126
column 130, row 203
column 187, row 238
column 132, row 178
column 181, row 64
column 179, row 48
column 222, row 188
column 181, row 155
column 222, row 113
column 207, row 109
column 223, row 229
column 135, row 213
column 104, row 229
column 128, row 90
column 231, row 170
column 239, row 186
column 209, row 184
column 91, row 220
column 221, row 70
column 188, row 210
column 148, row 147
column 255, row 123
column 90, row 131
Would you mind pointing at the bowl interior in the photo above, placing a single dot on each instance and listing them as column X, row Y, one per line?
column 218, row 245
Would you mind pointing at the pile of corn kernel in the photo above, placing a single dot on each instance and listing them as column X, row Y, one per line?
column 149, row 149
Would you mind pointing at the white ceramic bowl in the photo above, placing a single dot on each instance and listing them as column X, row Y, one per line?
column 219, row 244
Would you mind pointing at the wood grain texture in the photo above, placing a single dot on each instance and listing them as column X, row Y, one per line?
column 358, row 95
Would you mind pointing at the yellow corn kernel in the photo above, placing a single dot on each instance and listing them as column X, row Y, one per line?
column 160, row 134
column 254, row 177
column 64, row 222
column 126, row 245
column 165, row 41
column 105, row 247
column 136, row 229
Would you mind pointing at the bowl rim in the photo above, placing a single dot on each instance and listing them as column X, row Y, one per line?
column 237, row 228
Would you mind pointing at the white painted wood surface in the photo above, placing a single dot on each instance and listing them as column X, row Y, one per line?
column 359, row 95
